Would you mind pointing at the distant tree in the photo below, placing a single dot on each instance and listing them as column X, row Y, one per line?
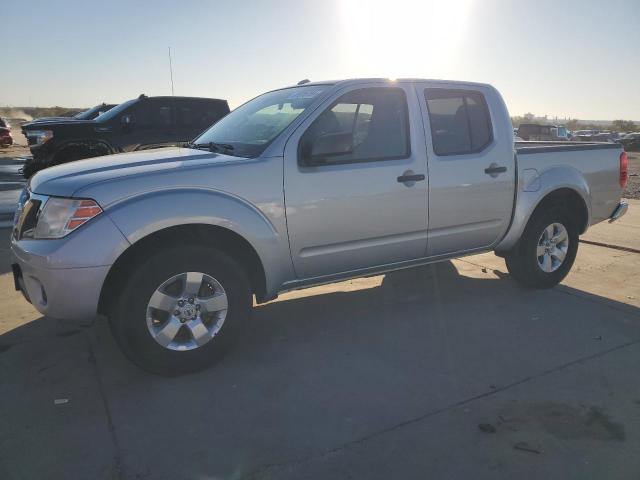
column 529, row 116
column 623, row 126
column 573, row 124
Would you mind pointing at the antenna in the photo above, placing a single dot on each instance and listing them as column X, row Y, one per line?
column 171, row 71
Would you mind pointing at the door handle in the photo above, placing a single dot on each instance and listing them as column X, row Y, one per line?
column 494, row 170
column 411, row 177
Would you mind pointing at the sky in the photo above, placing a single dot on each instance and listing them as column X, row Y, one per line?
column 574, row 59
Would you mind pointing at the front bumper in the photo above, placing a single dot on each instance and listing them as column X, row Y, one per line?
column 63, row 277
column 620, row 210
column 61, row 293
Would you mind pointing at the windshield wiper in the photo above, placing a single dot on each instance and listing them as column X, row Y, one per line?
column 212, row 147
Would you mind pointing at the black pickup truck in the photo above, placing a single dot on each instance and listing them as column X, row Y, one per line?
column 141, row 123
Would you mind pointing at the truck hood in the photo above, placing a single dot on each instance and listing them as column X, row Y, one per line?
column 52, row 119
column 41, row 123
column 64, row 180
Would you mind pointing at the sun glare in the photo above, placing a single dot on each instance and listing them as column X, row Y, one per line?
column 404, row 38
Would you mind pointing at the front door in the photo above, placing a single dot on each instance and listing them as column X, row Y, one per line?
column 471, row 167
column 355, row 183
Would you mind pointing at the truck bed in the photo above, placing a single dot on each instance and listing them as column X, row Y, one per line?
column 598, row 165
column 549, row 147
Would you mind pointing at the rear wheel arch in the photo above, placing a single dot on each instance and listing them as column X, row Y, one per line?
column 217, row 237
column 569, row 199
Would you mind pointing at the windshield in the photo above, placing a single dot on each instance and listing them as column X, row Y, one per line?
column 250, row 128
column 84, row 114
column 91, row 113
column 115, row 111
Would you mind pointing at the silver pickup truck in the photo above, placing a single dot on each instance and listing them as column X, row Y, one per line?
column 298, row 187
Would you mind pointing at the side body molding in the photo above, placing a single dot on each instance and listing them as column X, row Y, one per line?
column 531, row 191
column 140, row 216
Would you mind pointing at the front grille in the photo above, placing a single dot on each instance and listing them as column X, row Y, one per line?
column 26, row 216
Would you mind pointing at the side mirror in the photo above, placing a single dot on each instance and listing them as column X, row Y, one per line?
column 319, row 150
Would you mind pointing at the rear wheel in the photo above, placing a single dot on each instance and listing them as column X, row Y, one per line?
column 546, row 252
column 181, row 309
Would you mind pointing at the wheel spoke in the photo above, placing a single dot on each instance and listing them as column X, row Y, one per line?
column 199, row 331
column 540, row 250
column 548, row 232
column 162, row 301
column 559, row 254
column 546, row 262
column 216, row 303
column 561, row 236
column 192, row 283
column 168, row 331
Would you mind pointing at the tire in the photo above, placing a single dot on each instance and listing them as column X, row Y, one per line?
column 535, row 271
column 70, row 155
column 132, row 319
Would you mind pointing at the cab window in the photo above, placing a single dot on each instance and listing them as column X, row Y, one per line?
column 368, row 124
column 460, row 121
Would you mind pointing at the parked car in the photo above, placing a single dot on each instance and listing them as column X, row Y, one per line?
column 88, row 114
column 537, row 132
column 138, row 124
column 6, row 139
column 631, row 142
column 298, row 187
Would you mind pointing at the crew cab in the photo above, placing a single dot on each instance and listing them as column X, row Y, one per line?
column 138, row 124
column 302, row 186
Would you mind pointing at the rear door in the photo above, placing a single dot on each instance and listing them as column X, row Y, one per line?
column 471, row 167
column 195, row 115
column 366, row 204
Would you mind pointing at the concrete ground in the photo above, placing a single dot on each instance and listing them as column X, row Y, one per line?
column 450, row 371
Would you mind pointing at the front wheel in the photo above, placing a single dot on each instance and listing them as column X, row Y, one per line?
column 546, row 252
column 181, row 309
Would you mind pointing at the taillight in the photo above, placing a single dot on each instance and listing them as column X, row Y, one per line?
column 624, row 169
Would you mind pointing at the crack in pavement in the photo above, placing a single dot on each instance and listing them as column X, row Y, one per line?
column 117, row 457
column 262, row 469
column 610, row 245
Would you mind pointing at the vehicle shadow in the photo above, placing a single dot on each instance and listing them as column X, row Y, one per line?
column 420, row 297
column 5, row 252
column 315, row 369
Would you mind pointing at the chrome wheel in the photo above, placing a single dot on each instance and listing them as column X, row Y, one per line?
column 552, row 248
column 187, row 311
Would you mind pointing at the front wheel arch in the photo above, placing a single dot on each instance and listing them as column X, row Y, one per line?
column 82, row 149
column 209, row 235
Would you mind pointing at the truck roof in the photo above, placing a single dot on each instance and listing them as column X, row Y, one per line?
column 186, row 98
column 394, row 80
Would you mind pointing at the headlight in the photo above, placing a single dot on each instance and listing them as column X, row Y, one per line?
column 40, row 136
column 61, row 216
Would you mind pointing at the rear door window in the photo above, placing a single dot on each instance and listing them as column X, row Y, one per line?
column 154, row 112
column 459, row 119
